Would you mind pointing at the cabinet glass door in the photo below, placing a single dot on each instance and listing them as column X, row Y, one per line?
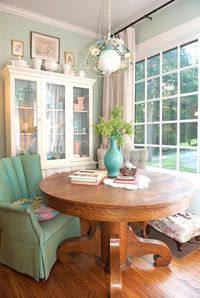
column 55, row 121
column 25, row 116
column 81, row 122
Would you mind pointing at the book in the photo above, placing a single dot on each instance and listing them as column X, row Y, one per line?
column 125, row 180
column 87, row 179
column 87, row 182
column 88, row 175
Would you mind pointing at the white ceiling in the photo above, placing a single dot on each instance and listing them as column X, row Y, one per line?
column 88, row 14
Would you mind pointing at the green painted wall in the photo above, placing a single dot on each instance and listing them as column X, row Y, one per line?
column 15, row 27
column 169, row 17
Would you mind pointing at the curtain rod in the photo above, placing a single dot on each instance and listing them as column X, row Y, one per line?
column 146, row 16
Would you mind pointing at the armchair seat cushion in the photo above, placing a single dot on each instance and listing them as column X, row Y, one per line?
column 42, row 211
column 181, row 227
column 53, row 226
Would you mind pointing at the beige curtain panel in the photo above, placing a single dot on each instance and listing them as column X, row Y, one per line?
column 118, row 88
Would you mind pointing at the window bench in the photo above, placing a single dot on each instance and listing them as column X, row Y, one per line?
column 181, row 227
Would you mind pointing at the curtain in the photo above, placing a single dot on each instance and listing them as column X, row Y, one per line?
column 118, row 88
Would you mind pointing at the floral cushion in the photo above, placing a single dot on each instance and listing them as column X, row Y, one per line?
column 42, row 211
column 181, row 227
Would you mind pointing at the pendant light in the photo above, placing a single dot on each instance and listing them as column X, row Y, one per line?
column 108, row 54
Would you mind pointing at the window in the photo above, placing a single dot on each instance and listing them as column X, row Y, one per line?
column 166, row 108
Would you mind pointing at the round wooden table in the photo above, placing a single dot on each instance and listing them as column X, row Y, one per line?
column 110, row 209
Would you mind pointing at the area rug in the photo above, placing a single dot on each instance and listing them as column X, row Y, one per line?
column 188, row 247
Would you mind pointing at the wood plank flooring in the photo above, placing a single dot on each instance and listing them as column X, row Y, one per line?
column 81, row 278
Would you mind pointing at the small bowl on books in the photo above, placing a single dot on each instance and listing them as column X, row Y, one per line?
column 128, row 169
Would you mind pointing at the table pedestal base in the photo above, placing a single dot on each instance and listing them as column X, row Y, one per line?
column 112, row 244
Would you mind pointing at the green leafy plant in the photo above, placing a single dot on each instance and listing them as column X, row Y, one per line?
column 116, row 127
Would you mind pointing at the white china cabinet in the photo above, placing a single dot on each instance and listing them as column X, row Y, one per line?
column 50, row 114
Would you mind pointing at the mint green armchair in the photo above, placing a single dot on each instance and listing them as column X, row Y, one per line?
column 26, row 245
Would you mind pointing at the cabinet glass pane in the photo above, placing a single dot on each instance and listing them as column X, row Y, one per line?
column 25, row 117
column 55, row 121
column 81, row 121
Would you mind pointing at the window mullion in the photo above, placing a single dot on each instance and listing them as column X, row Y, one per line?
column 178, row 109
column 161, row 101
column 198, row 119
column 145, row 105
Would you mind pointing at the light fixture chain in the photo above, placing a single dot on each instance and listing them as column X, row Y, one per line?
column 109, row 18
column 109, row 54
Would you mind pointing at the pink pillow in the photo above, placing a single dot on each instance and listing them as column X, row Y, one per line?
column 42, row 211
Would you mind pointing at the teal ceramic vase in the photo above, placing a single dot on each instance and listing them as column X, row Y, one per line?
column 113, row 159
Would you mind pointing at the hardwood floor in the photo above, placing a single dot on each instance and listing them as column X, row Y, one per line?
column 81, row 278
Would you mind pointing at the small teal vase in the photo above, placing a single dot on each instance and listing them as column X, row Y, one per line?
column 113, row 159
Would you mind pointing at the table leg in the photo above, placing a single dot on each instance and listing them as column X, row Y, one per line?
column 114, row 228
column 140, row 246
column 115, row 270
column 88, row 244
column 114, row 257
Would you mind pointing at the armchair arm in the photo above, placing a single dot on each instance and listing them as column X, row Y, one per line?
column 20, row 223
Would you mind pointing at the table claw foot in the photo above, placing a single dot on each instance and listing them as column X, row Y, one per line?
column 140, row 246
column 162, row 260
column 89, row 245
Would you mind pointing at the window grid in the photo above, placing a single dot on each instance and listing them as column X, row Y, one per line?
column 177, row 122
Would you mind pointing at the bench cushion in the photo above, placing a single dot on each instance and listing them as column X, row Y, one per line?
column 181, row 227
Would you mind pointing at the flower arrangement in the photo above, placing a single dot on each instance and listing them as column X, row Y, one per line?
column 116, row 127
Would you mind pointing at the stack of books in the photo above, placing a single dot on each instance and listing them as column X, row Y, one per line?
column 88, row 177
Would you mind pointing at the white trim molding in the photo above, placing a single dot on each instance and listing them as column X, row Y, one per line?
column 169, row 39
column 43, row 19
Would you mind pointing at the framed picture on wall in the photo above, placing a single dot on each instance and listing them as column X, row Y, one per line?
column 17, row 47
column 45, row 46
column 69, row 58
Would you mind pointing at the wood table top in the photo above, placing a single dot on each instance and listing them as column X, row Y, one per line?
column 166, row 195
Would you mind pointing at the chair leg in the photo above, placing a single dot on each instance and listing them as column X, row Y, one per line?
column 179, row 245
column 145, row 229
